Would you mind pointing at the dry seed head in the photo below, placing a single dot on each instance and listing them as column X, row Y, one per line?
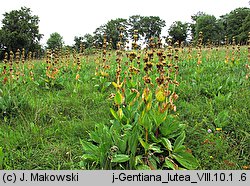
column 147, row 79
column 11, row 56
column 149, row 65
column 145, row 69
column 160, row 66
column 169, row 65
column 150, row 54
column 159, row 53
column 17, row 55
column 169, row 41
column 132, row 56
column 145, row 59
column 169, row 54
column 121, row 28
column 160, row 80
column 6, row 57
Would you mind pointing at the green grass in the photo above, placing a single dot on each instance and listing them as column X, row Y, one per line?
column 216, row 95
column 41, row 126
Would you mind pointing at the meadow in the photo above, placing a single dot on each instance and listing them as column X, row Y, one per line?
column 164, row 107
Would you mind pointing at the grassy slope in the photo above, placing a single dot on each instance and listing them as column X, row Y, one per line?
column 45, row 125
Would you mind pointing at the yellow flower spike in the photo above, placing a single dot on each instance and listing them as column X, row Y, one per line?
column 160, row 95
column 120, row 113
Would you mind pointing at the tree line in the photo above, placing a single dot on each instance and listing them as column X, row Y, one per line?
column 20, row 29
column 234, row 24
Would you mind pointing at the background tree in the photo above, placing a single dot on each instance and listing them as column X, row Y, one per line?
column 135, row 23
column 152, row 26
column 78, row 41
column 211, row 28
column 2, row 47
column 178, row 31
column 235, row 24
column 20, row 29
column 87, row 40
column 55, row 41
column 147, row 27
column 244, row 29
column 193, row 24
column 98, row 36
column 112, row 30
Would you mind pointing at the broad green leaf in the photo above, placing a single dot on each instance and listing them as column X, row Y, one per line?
column 131, row 83
column 152, row 163
column 145, row 120
column 118, row 98
column 133, row 140
column 167, row 144
column 130, row 97
column 180, row 148
column 107, row 84
column 89, row 147
column 170, row 164
column 179, row 141
column 139, row 160
column 120, row 158
column 114, row 114
column 186, row 159
column 153, row 137
column 127, row 127
column 95, row 137
column 144, row 144
column 127, row 113
column 155, row 148
column 89, row 157
column 171, row 128
column 122, row 144
column 158, row 117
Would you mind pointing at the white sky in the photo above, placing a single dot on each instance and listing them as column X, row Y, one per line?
column 77, row 17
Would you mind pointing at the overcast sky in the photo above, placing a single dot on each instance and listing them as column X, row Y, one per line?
column 77, row 17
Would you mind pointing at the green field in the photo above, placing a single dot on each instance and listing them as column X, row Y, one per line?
column 45, row 121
